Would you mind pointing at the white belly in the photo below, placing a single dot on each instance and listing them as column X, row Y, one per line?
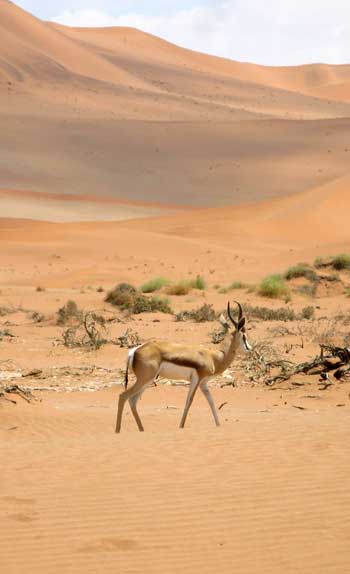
column 171, row 371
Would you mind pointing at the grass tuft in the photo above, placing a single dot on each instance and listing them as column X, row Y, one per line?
column 154, row 285
column 274, row 287
column 301, row 270
column 199, row 283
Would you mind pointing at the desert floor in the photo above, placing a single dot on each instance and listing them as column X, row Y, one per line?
column 125, row 158
column 268, row 491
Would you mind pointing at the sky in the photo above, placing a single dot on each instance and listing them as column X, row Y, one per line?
column 270, row 32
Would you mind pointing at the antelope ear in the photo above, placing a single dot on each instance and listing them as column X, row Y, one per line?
column 241, row 324
column 223, row 321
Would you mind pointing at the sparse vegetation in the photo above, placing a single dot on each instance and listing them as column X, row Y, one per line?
column 200, row 315
column 341, row 261
column 280, row 314
column 153, row 304
column 301, row 270
column 233, row 286
column 274, row 287
column 266, row 314
column 184, row 287
column 338, row 262
column 126, row 297
column 154, row 285
column 39, row 289
column 309, row 290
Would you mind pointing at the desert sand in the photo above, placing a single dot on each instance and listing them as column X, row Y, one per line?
column 125, row 158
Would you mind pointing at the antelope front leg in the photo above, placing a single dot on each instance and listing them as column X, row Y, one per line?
column 208, row 396
column 190, row 397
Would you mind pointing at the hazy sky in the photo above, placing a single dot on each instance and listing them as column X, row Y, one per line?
column 273, row 32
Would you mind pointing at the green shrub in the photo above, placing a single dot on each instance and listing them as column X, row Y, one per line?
column 154, row 285
column 198, row 283
column 301, row 270
column 274, row 287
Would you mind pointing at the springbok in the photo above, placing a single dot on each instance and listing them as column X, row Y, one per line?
column 195, row 364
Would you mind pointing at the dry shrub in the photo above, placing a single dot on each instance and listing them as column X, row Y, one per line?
column 6, row 311
column 126, row 297
column 89, row 333
column 129, row 339
column 280, row 314
column 184, row 287
column 153, row 304
column 70, row 312
column 338, row 262
column 122, row 296
column 200, row 315
column 181, row 288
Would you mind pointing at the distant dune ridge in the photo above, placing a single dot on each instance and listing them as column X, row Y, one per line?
column 116, row 112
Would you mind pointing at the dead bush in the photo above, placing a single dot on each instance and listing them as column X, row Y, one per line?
column 89, row 333
column 69, row 313
column 129, row 339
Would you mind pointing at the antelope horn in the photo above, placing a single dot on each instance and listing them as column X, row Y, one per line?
column 230, row 315
column 240, row 311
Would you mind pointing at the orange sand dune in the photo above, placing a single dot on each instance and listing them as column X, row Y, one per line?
column 126, row 73
column 131, row 44
column 188, row 163
column 244, row 242
column 120, row 113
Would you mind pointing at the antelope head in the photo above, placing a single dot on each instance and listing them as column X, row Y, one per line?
column 239, row 332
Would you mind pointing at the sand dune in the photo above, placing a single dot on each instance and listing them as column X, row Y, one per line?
column 190, row 163
column 120, row 113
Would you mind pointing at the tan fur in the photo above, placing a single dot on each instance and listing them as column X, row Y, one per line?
column 192, row 362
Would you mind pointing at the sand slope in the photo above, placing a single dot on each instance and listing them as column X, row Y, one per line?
column 117, row 112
